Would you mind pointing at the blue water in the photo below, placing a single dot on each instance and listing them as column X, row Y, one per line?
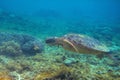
column 98, row 10
column 45, row 18
column 105, row 12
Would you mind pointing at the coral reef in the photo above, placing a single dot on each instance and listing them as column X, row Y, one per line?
column 59, row 66
column 17, row 43
column 10, row 48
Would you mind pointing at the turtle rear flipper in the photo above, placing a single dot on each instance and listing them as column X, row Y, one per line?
column 100, row 56
column 113, row 55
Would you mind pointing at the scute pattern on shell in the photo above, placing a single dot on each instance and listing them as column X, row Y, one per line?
column 88, row 42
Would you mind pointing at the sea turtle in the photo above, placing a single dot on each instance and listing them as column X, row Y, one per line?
column 79, row 43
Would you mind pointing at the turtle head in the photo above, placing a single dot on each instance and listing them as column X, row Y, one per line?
column 51, row 41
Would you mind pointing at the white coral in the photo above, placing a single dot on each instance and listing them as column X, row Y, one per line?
column 16, row 75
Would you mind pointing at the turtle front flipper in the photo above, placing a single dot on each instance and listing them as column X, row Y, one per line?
column 72, row 45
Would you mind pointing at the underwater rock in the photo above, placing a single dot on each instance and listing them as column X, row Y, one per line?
column 69, row 61
column 32, row 46
column 21, row 42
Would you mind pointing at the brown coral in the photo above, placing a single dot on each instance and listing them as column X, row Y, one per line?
column 5, row 76
column 61, row 73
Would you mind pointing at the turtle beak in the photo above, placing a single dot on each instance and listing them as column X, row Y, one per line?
column 50, row 41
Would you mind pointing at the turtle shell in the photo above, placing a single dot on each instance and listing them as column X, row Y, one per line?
column 86, row 41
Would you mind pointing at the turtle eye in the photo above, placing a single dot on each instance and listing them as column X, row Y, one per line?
column 50, row 40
